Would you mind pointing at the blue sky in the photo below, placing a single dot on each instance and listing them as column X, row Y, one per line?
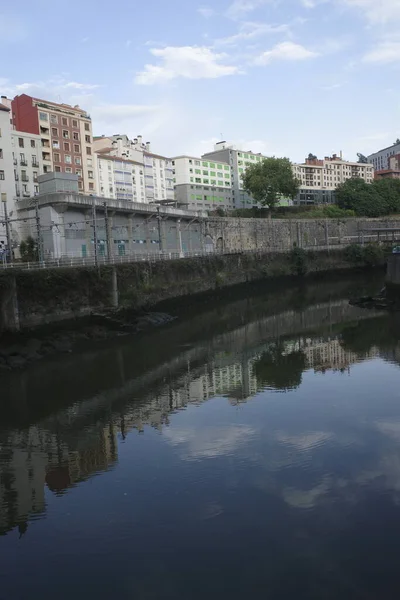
column 285, row 77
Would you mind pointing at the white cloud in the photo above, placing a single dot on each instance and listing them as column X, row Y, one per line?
column 377, row 11
column 385, row 52
column 211, row 442
column 121, row 111
column 206, row 12
column 238, row 8
column 250, row 30
column 287, row 51
column 191, row 62
column 79, row 86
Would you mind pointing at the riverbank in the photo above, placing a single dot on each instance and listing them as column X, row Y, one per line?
column 104, row 329
column 29, row 299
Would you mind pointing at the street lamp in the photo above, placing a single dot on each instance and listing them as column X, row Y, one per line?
column 4, row 200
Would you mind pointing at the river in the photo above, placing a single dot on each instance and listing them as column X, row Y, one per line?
column 249, row 449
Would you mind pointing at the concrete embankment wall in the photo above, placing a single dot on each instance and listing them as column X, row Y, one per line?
column 32, row 298
column 230, row 234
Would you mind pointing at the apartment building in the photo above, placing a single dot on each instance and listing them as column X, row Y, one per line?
column 238, row 160
column 393, row 170
column 66, row 137
column 380, row 159
column 28, row 163
column 158, row 177
column 320, row 177
column 120, row 178
column 7, row 181
column 202, row 184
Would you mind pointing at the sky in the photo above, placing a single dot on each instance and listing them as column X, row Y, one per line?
column 282, row 77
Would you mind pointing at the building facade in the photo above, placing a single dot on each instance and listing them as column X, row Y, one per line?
column 202, row 184
column 28, row 163
column 66, row 137
column 393, row 170
column 238, row 160
column 157, row 169
column 7, row 177
column 120, row 178
column 380, row 159
column 320, row 178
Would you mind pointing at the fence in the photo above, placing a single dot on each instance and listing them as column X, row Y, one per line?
column 372, row 236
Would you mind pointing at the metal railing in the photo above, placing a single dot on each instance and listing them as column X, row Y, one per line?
column 74, row 260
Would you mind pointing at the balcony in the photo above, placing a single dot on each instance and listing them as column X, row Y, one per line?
column 23, row 163
column 45, row 144
column 44, row 131
column 35, row 164
column 35, row 179
column 26, row 194
column 16, row 177
column 25, row 178
column 15, row 161
column 46, row 156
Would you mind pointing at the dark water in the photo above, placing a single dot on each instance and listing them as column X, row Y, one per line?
column 250, row 450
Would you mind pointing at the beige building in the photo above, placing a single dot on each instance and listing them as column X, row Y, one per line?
column 320, row 178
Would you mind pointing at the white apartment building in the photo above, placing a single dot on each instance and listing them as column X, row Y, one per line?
column 380, row 159
column 238, row 160
column 7, row 179
column 158, row 178
column 320, row 178
column 120, row 178
column 28, row 163
column 202, row 184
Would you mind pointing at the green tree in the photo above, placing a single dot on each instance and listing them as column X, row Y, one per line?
column 29, row 250
column 281, row 371
column 266, row 181
column 355, row 194
column 389, row 192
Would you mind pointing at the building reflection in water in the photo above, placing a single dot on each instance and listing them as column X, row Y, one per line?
column 60, row 453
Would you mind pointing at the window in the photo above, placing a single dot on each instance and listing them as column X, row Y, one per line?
column 212, row 174
column 77, row 160
column 2, row 175
column 206, row 181
column 76, row 148
column 22, row 157
column 34, row 160
column 74, row 123
column 205, row 164
column 68, row 170
column 89, row 162
column 54, row 131
column 43, row 116
column 67, row 158
column 78, row 172
column 33, row 144
column 198, row 180
column 212, row 165
column 90, row 174
column 57, row 169
column 53, row 119
column 87, row 139
column 1, row 153
column 56, row 144
column 21, row 142
column 56, row 157
column 197, row 163
column 205, row 172
column 91, row 186
column 220, row 183
column 75, row 135
column 66, row 146
column 64, row 121
column 87, row 127
column 65, row 134
column 88, row 150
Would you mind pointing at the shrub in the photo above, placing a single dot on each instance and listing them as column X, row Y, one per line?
column 298, row 261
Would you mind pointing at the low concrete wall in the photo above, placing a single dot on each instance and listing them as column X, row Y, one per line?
column 234, row 234
column 32, row 298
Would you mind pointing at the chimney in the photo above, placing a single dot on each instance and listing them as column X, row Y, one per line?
column 148, row 146
column 341, row 155
column 139, row 138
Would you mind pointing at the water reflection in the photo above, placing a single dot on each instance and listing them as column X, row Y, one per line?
column 298, row 464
